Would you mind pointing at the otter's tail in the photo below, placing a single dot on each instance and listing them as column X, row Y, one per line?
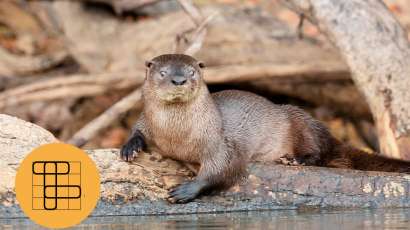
column 346, row 156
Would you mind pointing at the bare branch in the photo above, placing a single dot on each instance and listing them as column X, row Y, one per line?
column 199, row 36
column 105, row 119
column 193, row 45
column 300, row 25
column 75, row 86
column 192, row 11
column 86, row 85
column 11, row 64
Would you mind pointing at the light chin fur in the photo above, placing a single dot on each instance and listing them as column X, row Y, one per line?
column 177, row 95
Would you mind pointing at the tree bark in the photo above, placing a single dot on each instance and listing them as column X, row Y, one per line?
column 376, row 49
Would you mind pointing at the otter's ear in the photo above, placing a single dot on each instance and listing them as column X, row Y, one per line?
column 149, row 64
column 201, row 64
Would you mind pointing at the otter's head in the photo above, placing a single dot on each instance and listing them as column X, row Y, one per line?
column 174, row 78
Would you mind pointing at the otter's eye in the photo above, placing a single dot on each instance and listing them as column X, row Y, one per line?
column 162, row 73
column 191, row 73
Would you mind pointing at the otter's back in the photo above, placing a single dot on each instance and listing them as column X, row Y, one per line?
column 254, row 125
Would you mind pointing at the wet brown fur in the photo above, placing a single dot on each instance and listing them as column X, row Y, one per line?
column 346, row 156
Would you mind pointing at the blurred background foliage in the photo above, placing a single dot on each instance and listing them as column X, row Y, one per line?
column 63, row 63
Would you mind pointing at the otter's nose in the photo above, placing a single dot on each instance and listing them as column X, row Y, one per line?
column 178, row 80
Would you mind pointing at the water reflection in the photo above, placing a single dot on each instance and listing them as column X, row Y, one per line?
column 351, row 219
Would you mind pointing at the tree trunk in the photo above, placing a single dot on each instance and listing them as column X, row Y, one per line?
column 376, row 49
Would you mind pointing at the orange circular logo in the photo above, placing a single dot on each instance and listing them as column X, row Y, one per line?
column 57, row 185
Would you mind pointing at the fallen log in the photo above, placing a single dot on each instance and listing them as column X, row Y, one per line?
column 140, row 187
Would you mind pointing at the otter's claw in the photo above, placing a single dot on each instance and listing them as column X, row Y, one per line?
column 185, row 192
column 286, row 160
column 133, row 146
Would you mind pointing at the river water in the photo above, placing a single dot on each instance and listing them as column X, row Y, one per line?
column 304, row 220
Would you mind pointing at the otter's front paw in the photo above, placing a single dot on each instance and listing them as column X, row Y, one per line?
column 133, row 146
column 185, row 192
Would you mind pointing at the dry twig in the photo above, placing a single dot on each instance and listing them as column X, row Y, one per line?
column 11, row 64
column 79, row 85
column 105, row 119
column 192, row 46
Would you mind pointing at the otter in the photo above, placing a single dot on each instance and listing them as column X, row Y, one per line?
column 223, row 131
